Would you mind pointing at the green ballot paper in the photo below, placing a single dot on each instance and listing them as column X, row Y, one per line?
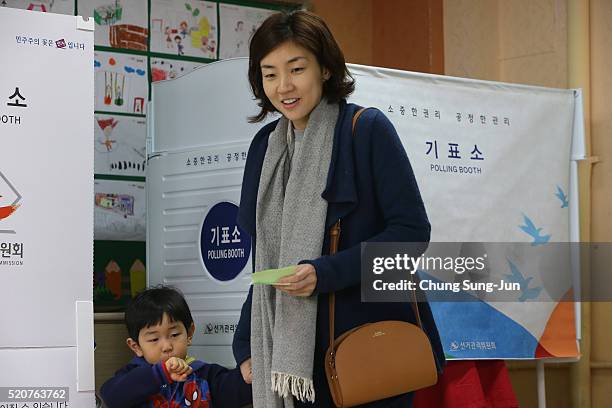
column 270, row 276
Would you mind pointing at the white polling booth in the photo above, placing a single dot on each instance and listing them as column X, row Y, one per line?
column 196, row 155
column 46, row 212
column 489, row 158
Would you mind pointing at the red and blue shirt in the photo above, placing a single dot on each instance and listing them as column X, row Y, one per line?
column 143, row 385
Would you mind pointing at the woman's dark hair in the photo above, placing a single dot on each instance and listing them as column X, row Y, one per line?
column 310, row 32
column 148, row 309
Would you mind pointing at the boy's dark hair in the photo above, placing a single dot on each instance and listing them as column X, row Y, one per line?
column 309, row 31
column 148, row 308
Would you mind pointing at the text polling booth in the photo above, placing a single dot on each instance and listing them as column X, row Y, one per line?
column 46, row 212
column 197, row 144
column 491, row 160
column 496, row 167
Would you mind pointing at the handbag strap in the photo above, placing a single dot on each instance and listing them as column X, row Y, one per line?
column 334, row 235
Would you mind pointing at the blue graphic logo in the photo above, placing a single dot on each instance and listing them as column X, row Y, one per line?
column 562, row 197
column 516, row 276
column 225, row 247
column 534, row 232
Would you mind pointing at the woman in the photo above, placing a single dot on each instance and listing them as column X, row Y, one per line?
column 304, row 172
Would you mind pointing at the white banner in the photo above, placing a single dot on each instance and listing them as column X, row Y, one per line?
column 46, row 185
column 492, row 161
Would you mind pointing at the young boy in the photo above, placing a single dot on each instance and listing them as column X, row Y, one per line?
column 161, row 328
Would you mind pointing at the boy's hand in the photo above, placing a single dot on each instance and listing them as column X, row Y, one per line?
column 178, row 369
column 246, row 371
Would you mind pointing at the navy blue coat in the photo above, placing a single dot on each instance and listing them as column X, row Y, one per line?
column 371, row 188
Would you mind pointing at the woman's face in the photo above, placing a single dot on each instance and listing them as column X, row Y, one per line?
column 293, row 81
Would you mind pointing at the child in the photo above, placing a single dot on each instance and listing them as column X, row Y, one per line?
column 179, row 46
column 161, row 328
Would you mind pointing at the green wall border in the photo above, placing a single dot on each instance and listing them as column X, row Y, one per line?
column 131, row 115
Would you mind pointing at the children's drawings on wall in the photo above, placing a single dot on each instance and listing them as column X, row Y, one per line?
column 44, row 6
column 119, row 145
column 119, row 23
column 119, row 273
column 119, row 210
column 121, row 82
column 185, row 28
column 238, row 23
column 162, row 69
column 109, row 284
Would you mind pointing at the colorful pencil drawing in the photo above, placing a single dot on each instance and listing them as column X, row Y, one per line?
column 119, row 145
column 112, row 279
column 119, row 270
column 119, row 210
column 163, row 69
column 118, row 203
column 187, row 28
column 119, row 24
column 238, row 23
column 121, row 83
column 138, row 277
column 44, row 6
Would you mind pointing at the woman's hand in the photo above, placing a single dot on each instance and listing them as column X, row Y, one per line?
column 246, row 371
column 302, row 283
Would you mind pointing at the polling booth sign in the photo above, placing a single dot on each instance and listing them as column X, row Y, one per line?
column 46, row 212
column 496, row 166
column 194, row 173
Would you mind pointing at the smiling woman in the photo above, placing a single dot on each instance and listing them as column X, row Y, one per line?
column 305, row 173
column 293, row 82
column 293, row 44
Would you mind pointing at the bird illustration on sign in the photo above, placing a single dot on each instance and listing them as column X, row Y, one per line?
column 516, row 276
column 535, row 233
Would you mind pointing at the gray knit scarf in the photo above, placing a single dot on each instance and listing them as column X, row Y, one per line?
column 290, row 222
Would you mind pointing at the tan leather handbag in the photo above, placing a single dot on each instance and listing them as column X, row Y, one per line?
column 377, row 360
